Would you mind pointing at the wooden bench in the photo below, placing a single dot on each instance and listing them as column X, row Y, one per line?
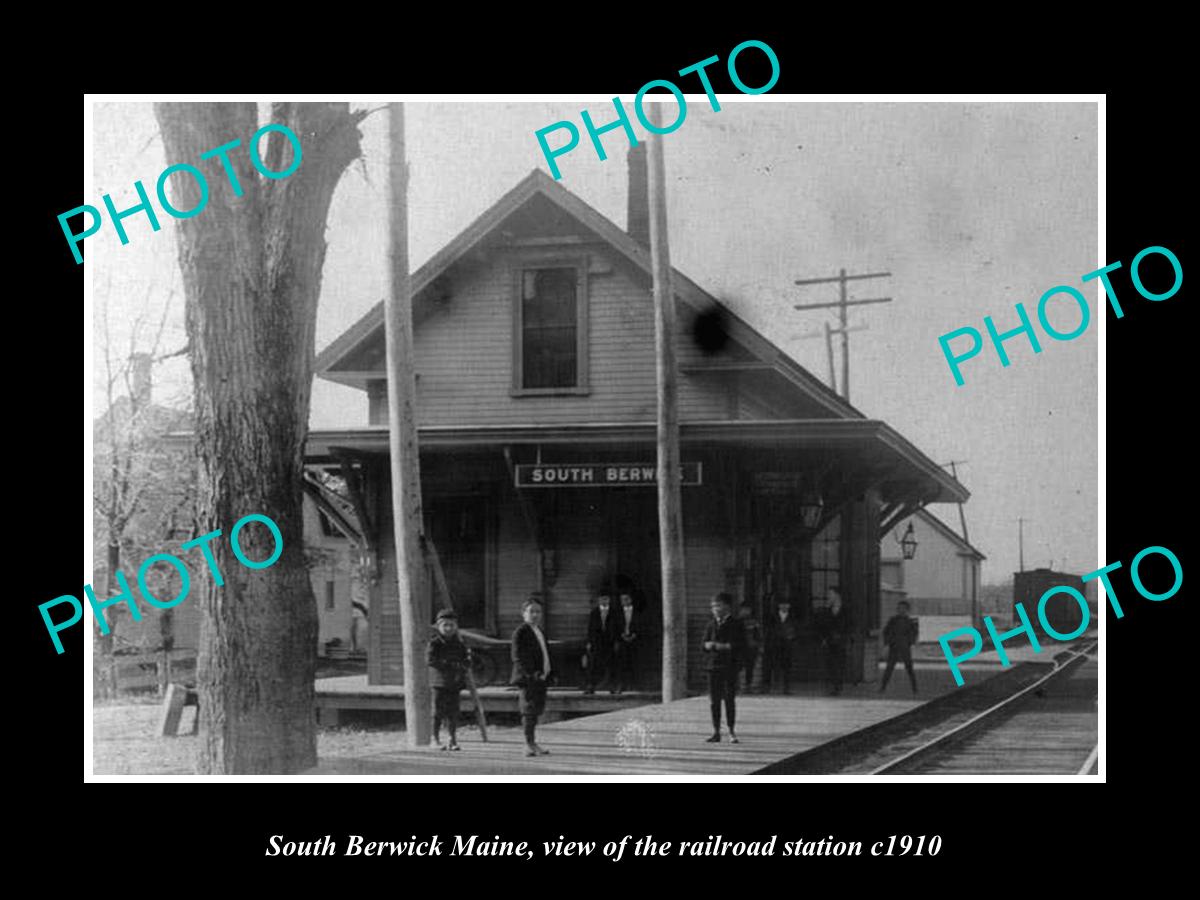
column 178, row 696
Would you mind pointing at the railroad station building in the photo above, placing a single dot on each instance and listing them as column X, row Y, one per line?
column 535, row 362
column 940, row 581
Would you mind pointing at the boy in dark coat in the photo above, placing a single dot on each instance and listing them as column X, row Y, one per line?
column 724, row 647
column 900, row 634
column 603, row 627
column 447, row 658
column 531, row 671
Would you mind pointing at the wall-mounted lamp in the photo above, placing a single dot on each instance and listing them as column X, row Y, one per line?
column 811, row 507
column 908, row 543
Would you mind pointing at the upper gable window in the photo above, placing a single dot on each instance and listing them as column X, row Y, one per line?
column 551, row 329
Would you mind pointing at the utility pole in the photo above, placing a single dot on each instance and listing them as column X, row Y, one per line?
column 828, row 333
column 829, row 353
column 1021, row 544
column 962, row 516
column 842, row 303
column 402, row 444
column 670, row 518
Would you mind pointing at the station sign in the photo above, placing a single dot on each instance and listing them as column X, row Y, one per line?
column 553, row 475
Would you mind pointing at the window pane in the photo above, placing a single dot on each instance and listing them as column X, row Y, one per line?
column 826, row 562
column 549, row 357
column 548, row 319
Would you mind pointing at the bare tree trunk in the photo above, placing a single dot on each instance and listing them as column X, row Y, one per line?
column 104, row 671
column 252, row 272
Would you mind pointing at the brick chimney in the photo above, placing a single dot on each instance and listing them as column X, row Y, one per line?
column 637, row 221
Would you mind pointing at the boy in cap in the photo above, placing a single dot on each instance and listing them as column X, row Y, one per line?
column 724, row 646
column 900, row 634
column 447, row 657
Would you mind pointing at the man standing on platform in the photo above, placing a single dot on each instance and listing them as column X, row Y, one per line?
column 724, row 646
column 603, row 628
column 753, row 632
column 531, row 671
column 781, row 636
column 831, row 627
column 629, row 639
column 900, row 634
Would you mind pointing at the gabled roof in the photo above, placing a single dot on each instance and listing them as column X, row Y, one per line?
column 539, row 183
column 938, row 525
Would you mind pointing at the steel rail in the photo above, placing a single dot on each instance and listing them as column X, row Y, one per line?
column 974, row 724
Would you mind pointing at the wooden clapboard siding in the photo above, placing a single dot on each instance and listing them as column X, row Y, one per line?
column 752, row 407
column 464, row 351
column 706, row 556
column 517, row 565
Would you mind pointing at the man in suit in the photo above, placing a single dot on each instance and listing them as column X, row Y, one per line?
column 630, row 635
column 900, row 634
column 753, row 632
column 831, row 626
column 781, row 637
column 724, row 647
column 531, row 670
column 603, row 628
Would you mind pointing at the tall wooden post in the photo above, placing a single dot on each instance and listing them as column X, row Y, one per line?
column 843, row 328
column 670, row 517
column 829, row 354
column 402, row 444
column 845, row 339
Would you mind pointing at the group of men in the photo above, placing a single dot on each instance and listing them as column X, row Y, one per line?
column 730, row 645
column 615, row 635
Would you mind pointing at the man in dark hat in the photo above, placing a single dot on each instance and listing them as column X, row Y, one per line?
column 900, row 634
column 631, row 634
column 832, row 627
column 781, row 636
column 753, row 634
column 447, row 658
column 603, row 626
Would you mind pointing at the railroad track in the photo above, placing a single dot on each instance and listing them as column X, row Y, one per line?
column 941, row 723
column 1046, row 727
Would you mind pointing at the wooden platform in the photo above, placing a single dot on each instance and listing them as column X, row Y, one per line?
column 351, row 692
column 653, row 739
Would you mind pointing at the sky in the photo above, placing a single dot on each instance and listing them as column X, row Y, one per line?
column 973, row 207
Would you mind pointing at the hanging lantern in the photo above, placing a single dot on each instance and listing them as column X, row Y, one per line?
column 811, row 507
column 908, row 543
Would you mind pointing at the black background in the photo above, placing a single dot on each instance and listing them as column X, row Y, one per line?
column 989, row 831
